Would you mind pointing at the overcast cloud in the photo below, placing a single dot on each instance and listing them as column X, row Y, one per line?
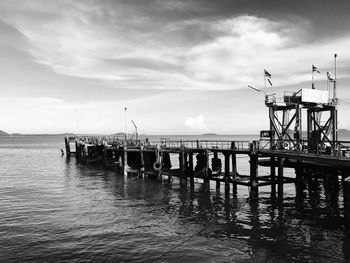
column 163, row 60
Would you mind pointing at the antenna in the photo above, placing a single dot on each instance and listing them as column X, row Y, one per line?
column 258, row 90
column 135, row 129
column 335, row 79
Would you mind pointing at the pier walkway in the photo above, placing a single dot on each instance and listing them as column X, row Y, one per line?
column 217, row 161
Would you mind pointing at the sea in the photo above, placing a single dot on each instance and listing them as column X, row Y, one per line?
column 53, row 209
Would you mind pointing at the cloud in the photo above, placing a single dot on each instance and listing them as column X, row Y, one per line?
column 196, row 123
column 244, row 47
column 149, row 56
column 98, row 41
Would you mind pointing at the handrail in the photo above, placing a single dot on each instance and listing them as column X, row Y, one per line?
column 340, row 149
column 207, row 144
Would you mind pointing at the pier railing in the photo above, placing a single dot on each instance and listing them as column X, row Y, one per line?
column 106, row 140
column 339, row 149
column 303, row 146
column 207, row 144
column 190, row 144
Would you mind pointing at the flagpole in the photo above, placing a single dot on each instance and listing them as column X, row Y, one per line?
column 328, row 89
column 312, row 74
column 335, row 79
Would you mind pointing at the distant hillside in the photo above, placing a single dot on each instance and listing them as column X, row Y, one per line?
column 343, row 133
column 2, row 133
column 43, row 134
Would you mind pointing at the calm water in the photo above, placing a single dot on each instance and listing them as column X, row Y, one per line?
column 54, row 210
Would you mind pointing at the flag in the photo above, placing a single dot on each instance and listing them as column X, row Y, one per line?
column 329, row 76
column 269, row 82
column 267, row 74
column 315, row 69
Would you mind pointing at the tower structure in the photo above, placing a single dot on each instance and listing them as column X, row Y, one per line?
column 286, row 121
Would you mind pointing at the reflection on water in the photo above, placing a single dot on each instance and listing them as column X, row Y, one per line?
column 55, row 210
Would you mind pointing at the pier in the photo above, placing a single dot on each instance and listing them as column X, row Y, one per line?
column 217, row 161
column 315, row 153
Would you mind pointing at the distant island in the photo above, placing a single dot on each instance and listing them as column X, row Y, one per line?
column 119, row 134
column 342, row 134
column 2, row 133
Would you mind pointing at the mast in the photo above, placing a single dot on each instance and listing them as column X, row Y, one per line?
column 335, row 79
column 265, row 82
column 335, row 100
column 312, row 74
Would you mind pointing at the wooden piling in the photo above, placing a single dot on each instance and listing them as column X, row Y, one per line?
column 214, row 167
column 273, row 177
column 77, row 151
column 190, row 169
column 234, row 169
column 183, row 177
column 280, row 178
column 227, row 174
column 206, row 175
column 346, row 193
column 254, row 192
column 66, row 141
column 142, row 168
column 125, row 163
column 218, row 186
column 253, row 182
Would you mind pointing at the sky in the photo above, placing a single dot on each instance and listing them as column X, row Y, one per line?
column 178, row 66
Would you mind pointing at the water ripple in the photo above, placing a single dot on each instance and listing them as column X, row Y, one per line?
column 54, row 210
